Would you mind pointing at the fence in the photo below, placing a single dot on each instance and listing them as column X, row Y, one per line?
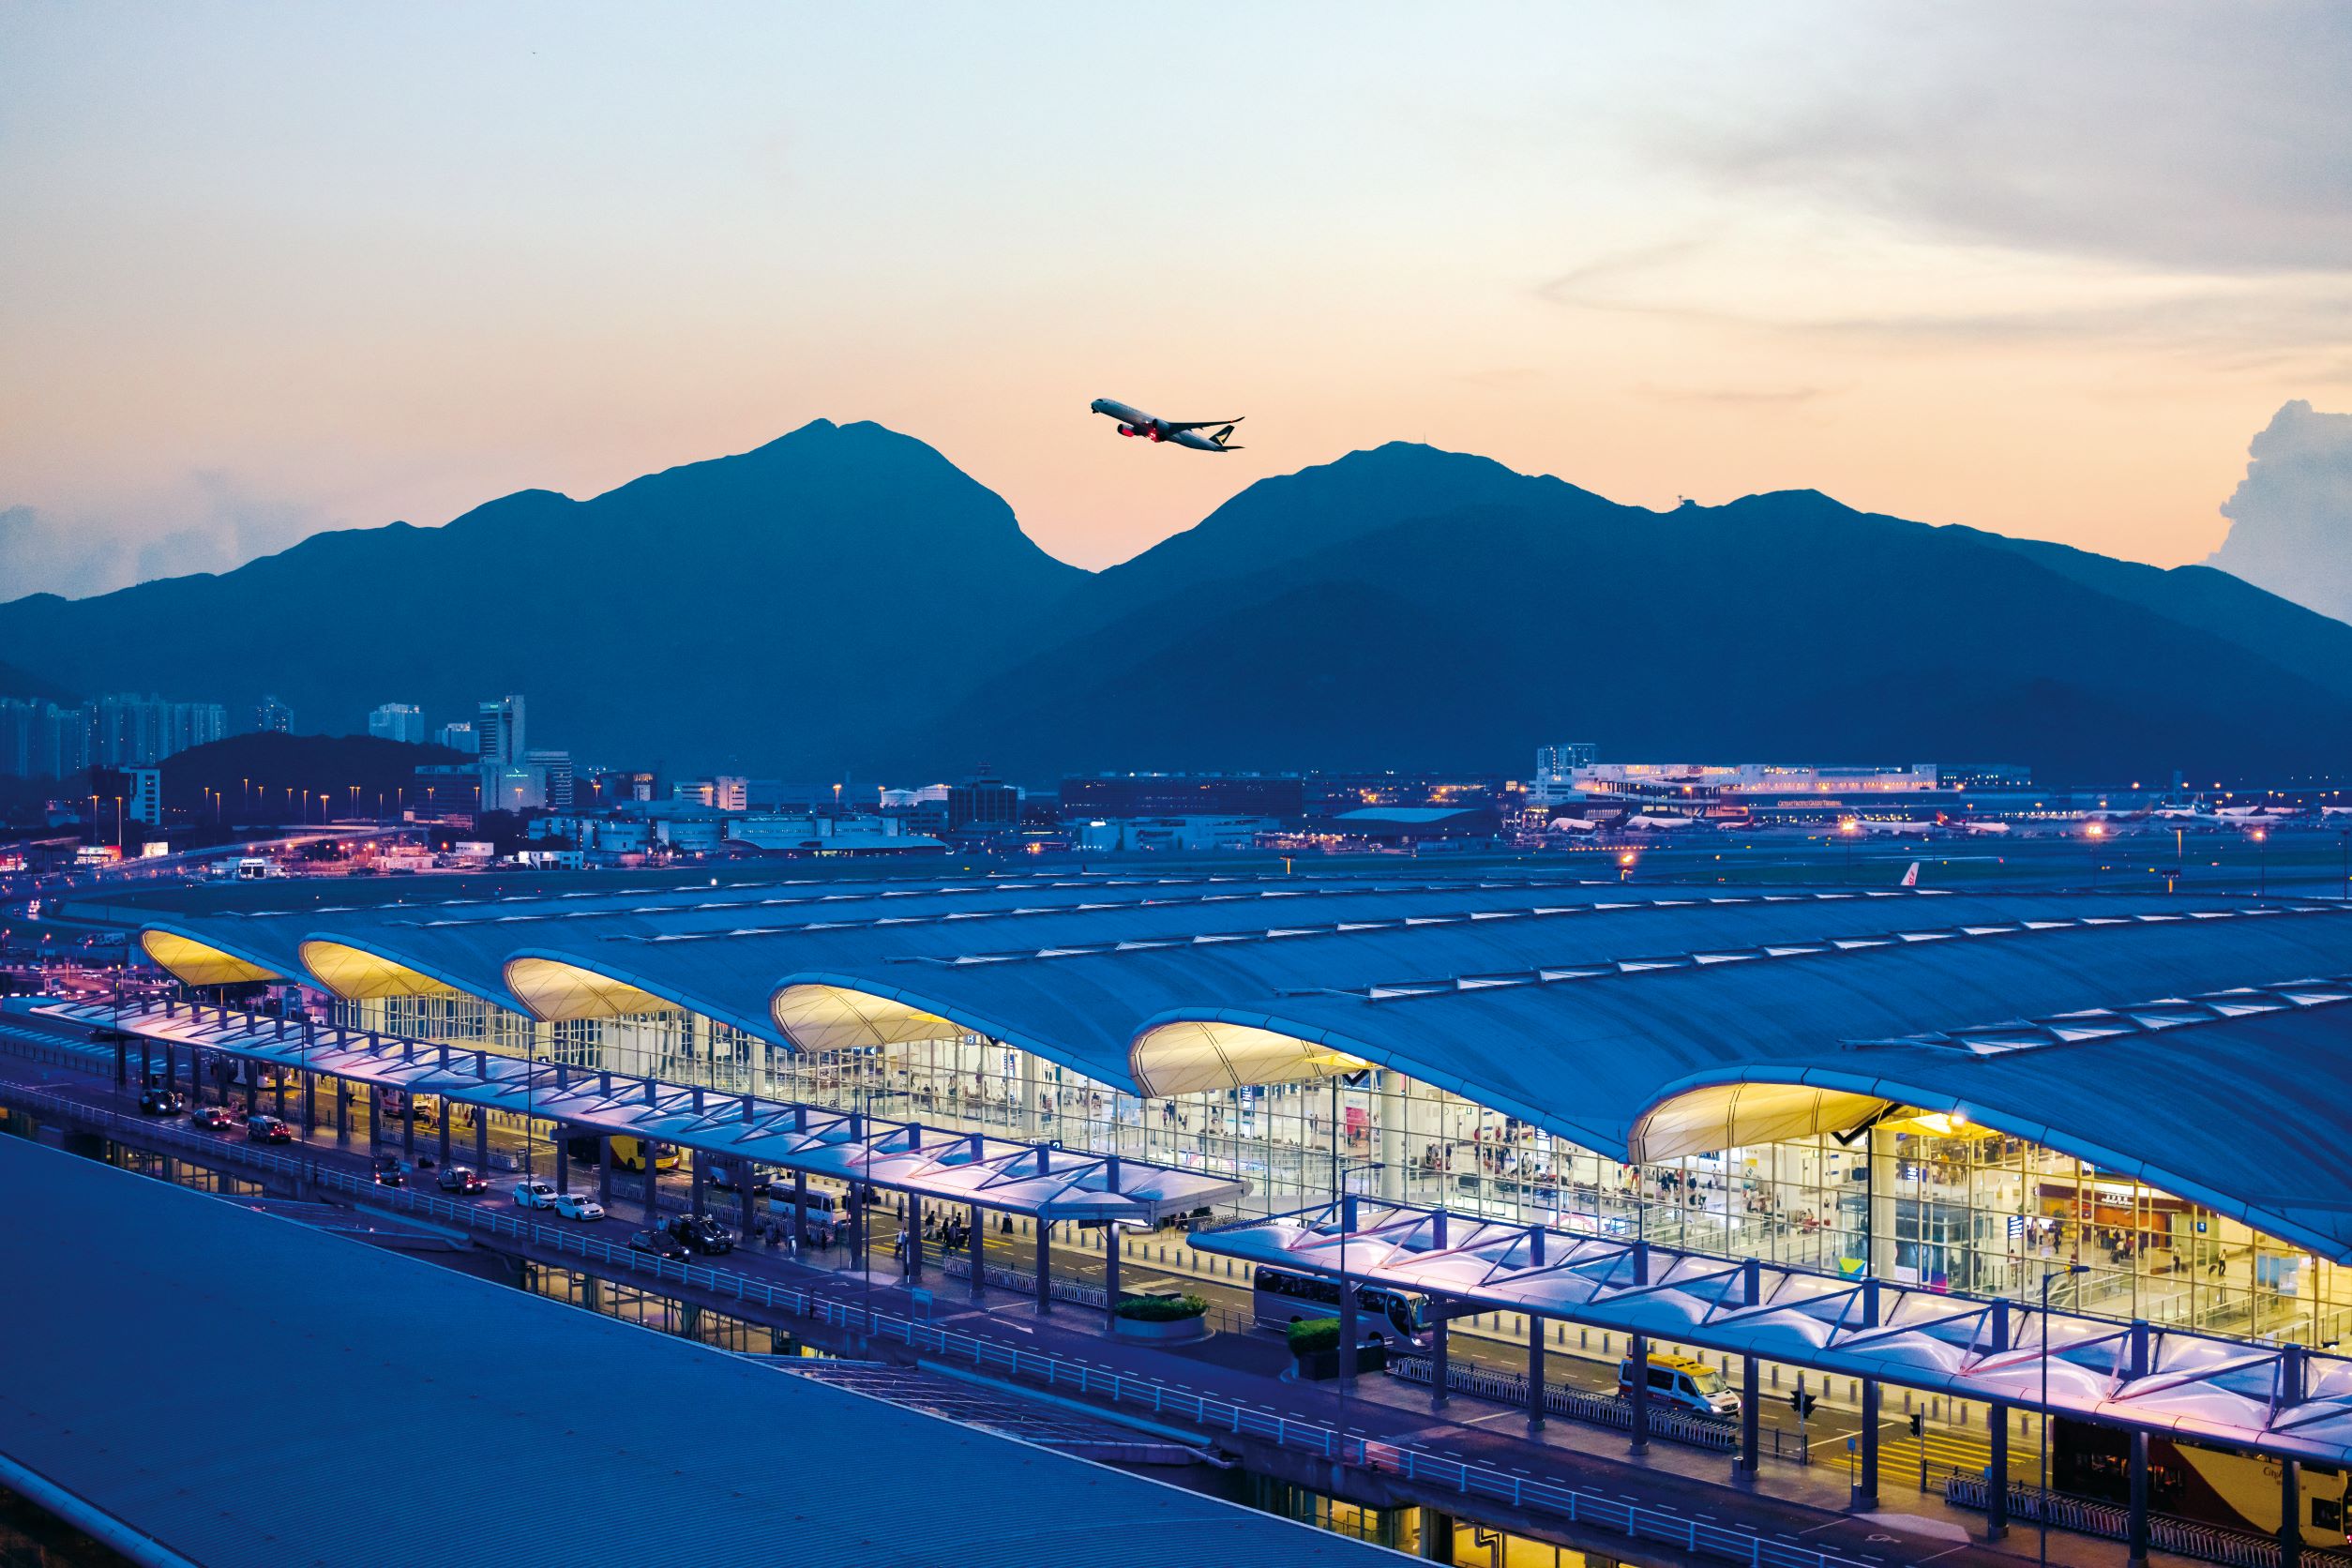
column 2240, row 1549
column 1510, row 1388
column 1416, row 1465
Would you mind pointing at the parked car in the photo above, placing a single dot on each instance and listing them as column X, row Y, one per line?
column 659, row 1242
column 390, row 1172
column 267, row 1129
column 212, row 1119
column 577, row 1206
column 534, row 1192
column 162, row 1102
column 703, row 1234
column 463, row 1180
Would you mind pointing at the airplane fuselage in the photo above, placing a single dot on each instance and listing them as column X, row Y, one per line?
column 1133, row 421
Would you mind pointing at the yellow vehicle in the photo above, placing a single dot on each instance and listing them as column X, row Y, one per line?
column 1691, row 1385
column 628, row 1154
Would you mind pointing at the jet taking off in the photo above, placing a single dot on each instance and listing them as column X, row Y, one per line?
column 1133, row 421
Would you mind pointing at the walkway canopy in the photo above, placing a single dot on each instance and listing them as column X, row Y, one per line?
column 1035, row 1180
column 2284, row 1402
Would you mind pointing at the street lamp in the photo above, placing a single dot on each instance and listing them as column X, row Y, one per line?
column 2042, row 1504
column 2262, row 849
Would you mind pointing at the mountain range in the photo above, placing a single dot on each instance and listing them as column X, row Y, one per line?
column 845, row 601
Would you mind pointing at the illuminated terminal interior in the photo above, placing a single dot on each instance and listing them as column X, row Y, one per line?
column 1922, row 1189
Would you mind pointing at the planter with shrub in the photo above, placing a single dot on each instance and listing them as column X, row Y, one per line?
column 1314, row 1344
column 1161, row 1318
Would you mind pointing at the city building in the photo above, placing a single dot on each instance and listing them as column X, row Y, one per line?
column 983, row 805
column 142, row 795
column 731, row 792
column 554, row 769
column 1107, row 834
column 460, row 736
column 396, row 721
column 272, row 717
column 1183, row 795
column 1555, row 769
column 507, row 785
column 498, row 730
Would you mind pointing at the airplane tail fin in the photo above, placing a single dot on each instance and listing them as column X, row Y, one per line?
column 1911, row 878
column 1219, row 437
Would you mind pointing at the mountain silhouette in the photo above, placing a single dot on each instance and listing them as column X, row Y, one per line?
column 845, row 599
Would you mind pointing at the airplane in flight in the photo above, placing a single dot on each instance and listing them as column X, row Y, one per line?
column 1183, row 432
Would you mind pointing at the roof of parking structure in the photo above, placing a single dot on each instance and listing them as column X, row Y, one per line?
column 1028, row 1179
column 505, row 1425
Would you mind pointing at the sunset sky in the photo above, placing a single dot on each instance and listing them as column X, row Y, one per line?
column 2045, row 269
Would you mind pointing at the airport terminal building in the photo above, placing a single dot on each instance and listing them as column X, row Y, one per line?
column 2128, row 1100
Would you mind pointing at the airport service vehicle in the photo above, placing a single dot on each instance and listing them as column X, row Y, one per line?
column 1281, row 1298
column 162, row 1102
column 701, row 1234
column 577, row 1206
column 267, row 1129
column 723, row 1178
column 534, row 1191
column 463, row 1180
column 661, row 1244
column 1690, row 1385
column 213, row 1119
column 628, row 1154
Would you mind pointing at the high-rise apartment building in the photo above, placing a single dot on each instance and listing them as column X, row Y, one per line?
column 460, row 736
column 272, row 717
column 143, row 794
column 398, row 721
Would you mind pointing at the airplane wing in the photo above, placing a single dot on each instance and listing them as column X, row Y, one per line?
column 1201, row 424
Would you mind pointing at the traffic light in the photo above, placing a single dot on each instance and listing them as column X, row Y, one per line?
column 1802, row 1403
column 1919, row 1424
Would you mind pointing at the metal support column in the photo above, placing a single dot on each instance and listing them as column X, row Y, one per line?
column 912, row 1263
column 700, row 1181
column 280, row 1094
column 800, row 1207
column 481, row 1140
column 442, row 1121
column 1866, row 1493
column 976, row 1241
column 408, row 1124
column 604, row 1172
column 2136, row 1537
column 343, row 1111
column 310, row 1103
column 564, row 1158
column 1110, row 1273
column 1637, row 1360
column 1536, row 1383
column 1045, row 1265
column 1348, row 1331
column 2291, row 1392
column 651, row 1152
column 1440, row 1353
column 121, row 1059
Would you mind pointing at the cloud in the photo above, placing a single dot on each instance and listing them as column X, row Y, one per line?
column 210, row 521
column 2179, row 136
column 2290, row 527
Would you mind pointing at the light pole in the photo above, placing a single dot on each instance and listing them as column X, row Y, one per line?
column 2042, row 1504
column 2262, row 853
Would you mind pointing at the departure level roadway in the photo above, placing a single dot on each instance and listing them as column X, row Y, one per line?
column 1471, row 1430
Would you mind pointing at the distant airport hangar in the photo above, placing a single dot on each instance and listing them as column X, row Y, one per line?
column 1961, row 1090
